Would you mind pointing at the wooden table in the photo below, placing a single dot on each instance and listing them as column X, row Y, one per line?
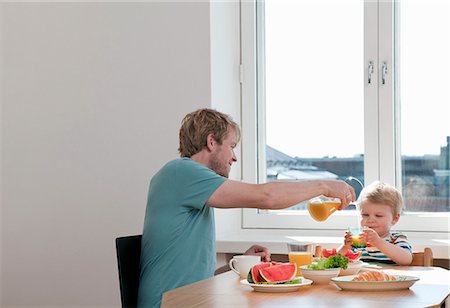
column 225, row 290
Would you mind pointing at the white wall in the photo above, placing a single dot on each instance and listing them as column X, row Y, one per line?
column 93, row 95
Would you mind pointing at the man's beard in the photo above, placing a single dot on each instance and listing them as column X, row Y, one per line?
column 216, row 166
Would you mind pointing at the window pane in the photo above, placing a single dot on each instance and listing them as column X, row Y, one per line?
column 314, row 95
column 424, row 79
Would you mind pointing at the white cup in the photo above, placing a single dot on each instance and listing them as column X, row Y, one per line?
column 242, row 264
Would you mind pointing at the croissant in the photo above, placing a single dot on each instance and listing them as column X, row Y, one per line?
column 374, row 276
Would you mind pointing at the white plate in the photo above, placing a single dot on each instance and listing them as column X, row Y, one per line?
column 403, row 282
column 277, row 287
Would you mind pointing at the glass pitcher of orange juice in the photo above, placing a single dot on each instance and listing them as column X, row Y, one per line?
column 321, row 207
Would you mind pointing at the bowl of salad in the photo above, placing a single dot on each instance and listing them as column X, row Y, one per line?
column 322, row 276
column 321, row 271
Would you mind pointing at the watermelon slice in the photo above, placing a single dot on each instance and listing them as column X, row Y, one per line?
column 326, row 253
column 278, row 273
column 253, row 274
column 352, row 257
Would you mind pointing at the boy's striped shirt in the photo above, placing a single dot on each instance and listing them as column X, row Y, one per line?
column 372, row 254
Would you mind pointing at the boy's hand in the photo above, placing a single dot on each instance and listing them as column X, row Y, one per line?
column 348, row 239
column 371, row 237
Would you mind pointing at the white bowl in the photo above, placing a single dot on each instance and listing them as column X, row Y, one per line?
column 319, row 276
column 353, row 268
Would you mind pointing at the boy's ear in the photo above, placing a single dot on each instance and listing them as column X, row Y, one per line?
column 395, row 219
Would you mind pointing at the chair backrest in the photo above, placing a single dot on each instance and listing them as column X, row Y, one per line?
column 128, row 257
column 423, row 258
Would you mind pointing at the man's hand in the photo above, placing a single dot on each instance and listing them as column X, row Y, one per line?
column 259, row 251
column 341, row 190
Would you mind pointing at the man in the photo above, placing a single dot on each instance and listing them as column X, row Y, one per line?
column 178, row 241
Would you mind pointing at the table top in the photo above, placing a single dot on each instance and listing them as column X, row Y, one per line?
column 225, row 290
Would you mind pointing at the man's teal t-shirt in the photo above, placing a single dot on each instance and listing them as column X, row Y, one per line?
column 178, row 241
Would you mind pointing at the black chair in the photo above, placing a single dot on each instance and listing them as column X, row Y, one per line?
column 128, row 257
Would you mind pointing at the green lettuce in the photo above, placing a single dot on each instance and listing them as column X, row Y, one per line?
column 333, row 261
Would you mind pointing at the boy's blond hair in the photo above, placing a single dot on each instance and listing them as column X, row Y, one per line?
column 382, row 193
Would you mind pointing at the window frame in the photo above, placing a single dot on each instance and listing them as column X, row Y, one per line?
column 382, row 160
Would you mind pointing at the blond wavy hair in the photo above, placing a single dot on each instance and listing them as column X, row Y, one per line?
column 382, row 193
column 197, row 125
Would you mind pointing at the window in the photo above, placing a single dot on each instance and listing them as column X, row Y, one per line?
column 424, row 97
column 312, row 133
column 329, row 92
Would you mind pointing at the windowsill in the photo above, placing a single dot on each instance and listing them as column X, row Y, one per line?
column 277, row 244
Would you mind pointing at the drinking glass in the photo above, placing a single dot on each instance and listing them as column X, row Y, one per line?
column 357, row 242
column 300, row 254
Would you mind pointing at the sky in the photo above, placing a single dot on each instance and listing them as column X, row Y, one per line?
column 315, row 77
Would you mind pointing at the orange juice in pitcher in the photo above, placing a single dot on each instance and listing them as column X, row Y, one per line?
column 322, row 207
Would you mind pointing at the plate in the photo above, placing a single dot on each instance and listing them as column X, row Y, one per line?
column 402, row 282
column 277, row 287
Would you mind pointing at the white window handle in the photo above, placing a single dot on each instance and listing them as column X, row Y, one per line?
column 383, row 73
column 370, row 72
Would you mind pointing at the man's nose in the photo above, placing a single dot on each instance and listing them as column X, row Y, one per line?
column 234, row 157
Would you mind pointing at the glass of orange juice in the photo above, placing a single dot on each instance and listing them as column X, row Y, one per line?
column 300, row 254
column 321, row 207
column 357, row 242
